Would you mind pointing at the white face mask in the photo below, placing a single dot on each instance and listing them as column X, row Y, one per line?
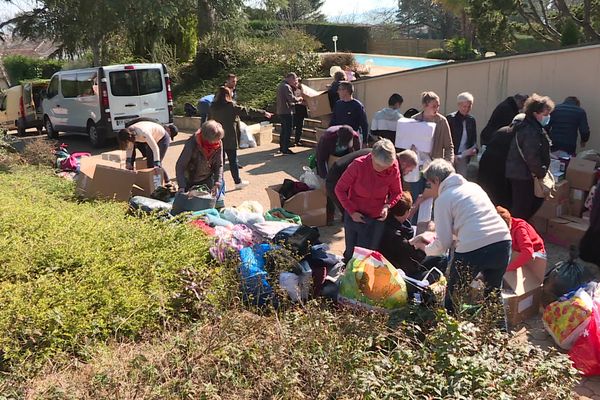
column 545, row 120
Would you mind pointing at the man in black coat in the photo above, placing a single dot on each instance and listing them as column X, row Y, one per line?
column 502, row 116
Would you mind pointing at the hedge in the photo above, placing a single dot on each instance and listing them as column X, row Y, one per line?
column 20, row 68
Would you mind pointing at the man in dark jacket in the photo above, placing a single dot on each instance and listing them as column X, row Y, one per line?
column 492, row 166
column 464, row 133
column 349, row 111
column 566, row 119
column 503, row 115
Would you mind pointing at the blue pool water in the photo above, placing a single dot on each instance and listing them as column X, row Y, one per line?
column 399, row 62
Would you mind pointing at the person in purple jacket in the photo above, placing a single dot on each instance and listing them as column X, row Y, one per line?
column 337, row 141
column 349, row 111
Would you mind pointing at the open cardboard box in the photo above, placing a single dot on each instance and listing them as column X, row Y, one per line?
column 566, row 230
column 522, row 291
column 316, row 102
column 311, row 205
column 106, row 180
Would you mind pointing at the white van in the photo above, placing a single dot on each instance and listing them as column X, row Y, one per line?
column 101, row 100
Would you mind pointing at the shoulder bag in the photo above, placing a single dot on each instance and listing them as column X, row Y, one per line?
column 544, row 188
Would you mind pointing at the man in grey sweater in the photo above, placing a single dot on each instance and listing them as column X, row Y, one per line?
column 285, row 109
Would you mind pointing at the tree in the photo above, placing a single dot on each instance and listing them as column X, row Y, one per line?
column 492, row 27
column 301, row 10
column 414, row 16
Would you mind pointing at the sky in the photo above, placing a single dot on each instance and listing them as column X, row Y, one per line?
column 333, row 9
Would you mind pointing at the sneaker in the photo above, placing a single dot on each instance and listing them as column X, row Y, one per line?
column 242, row 184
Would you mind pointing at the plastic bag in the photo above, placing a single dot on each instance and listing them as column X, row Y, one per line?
column 279, row 214
column 246, row 138
column 563, row 278
column 372, row 280
column 241, row 217
column 198, row 198
column 585, row 353
column 566, row 320
column 255, row 288
column 310, row 178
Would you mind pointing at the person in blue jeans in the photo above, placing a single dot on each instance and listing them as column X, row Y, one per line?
column 465, row 219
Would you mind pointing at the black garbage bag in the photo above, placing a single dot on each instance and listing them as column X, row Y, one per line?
column 564, row 277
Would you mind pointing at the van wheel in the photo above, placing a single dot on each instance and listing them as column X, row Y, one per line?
column 52, row 134
column 97, row 138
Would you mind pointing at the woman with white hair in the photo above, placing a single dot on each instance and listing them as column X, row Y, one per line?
column 464, row 215
column 367, row 189
column 464, row 132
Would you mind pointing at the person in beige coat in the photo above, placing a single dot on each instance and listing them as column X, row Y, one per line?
column 442, row 138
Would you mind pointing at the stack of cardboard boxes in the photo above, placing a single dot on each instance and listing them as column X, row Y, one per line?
column 561, row 220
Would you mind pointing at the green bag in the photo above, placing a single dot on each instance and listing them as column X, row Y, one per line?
column 312, row 161
column 279, row 214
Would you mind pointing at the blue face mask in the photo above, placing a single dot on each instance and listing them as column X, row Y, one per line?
column 545, row 121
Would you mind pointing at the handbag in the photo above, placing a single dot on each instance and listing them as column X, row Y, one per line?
column 543, row 188
column 196, row 199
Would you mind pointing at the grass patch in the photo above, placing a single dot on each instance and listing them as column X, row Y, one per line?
column 75, row 272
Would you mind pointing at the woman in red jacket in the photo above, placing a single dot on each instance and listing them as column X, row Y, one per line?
column 525, row 240
column 368, row 188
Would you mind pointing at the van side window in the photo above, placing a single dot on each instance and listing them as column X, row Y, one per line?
column 136, row 82
column 3, row 103
column 85, row 84
column 53, row 88
column 68, row 85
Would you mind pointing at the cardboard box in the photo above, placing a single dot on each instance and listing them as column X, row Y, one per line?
column 522, row 291
column 577, row 202
column 540, row 224
column 581, row 173
column 316, row 102
column 106, row 180
column 117, row 156
column 309, row 205
column 552, row 209
column 562, row 192
column 140, row 163
column 566, row 230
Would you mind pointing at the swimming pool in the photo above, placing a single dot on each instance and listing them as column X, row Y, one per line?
column 392, row 61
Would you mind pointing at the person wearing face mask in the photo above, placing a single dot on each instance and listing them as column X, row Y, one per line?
column 529, row 156
column 367, row 189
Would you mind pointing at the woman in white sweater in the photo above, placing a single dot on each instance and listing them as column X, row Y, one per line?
column 466, row 220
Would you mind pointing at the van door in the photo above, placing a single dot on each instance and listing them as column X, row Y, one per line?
column 87, row 96
column 69, row 109
column 28, row 103
column 137, row 92
column 51, row 104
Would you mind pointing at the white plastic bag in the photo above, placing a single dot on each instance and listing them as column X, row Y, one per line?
column 310, row 178
column 246, row 139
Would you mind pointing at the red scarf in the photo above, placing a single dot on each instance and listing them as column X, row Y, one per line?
column 207, row 148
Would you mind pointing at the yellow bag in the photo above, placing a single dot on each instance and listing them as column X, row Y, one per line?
column 371, row 279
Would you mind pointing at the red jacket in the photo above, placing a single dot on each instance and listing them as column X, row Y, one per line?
column 364, row 190
column 526, row 241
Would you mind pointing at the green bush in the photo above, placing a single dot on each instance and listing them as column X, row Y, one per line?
column 460, row 49
column 570, row 34
column 440, row 54
column 21, row 68
column 339, row 59
column 74, row 273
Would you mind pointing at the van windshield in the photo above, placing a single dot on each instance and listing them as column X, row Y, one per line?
column 135, row 82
